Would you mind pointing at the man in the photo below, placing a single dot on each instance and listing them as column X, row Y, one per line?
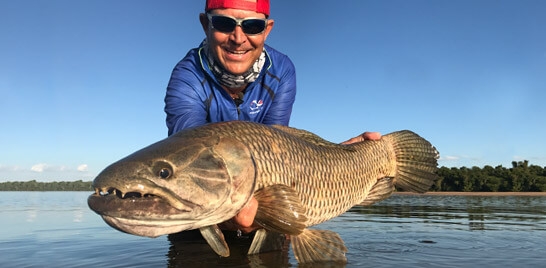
column 233, row 75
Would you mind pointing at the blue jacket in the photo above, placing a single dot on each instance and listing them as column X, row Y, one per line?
column 194, row 96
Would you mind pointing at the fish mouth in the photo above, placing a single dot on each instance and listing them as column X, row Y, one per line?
column 145, row 213
column 110, row 192
column 137, row 196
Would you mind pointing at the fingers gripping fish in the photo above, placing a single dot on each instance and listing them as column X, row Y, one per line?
column 203, row 176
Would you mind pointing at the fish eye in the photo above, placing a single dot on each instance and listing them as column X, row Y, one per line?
column 164, row 173
column 162, row 169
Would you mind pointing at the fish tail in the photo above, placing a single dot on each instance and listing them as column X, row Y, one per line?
column 416, row 161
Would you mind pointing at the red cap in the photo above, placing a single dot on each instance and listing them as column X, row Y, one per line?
column 260, row 6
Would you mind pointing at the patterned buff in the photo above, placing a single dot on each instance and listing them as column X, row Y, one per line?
column 228, row 79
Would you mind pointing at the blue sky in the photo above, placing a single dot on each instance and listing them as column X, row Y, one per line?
column 82, row 82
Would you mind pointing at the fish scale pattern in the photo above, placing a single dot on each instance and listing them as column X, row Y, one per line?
column 331, row 178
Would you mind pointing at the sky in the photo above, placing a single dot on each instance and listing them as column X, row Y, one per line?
column 82, row 82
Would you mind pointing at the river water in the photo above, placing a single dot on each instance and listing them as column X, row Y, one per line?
column 57, row 229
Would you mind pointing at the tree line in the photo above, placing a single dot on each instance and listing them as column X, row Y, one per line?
column 521, row 177
column 46, row 186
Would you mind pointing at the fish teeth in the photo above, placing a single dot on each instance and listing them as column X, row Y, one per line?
column 119, row 193
column 101, row 192
column 116, row 192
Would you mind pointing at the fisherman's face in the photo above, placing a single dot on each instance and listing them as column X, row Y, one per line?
column 236, row 51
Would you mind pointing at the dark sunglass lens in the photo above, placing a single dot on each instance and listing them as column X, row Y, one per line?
column 253, row 26
column 223, row 24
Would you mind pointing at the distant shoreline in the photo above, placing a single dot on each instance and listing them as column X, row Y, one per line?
column 56, row 186
column 476, row 193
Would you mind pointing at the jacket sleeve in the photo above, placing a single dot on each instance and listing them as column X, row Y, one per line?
column 183, row 105
column 281, row 108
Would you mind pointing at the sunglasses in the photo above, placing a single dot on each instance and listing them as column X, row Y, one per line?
column 227, row 24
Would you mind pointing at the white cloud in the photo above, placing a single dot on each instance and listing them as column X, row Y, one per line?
column 449, row 158
column 83, row 168
column 45, row 172
column 43, row 167
column 39, row 167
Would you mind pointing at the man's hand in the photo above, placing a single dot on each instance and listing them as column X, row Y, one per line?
column 373, row 136
column 244, row 220
column 245, row 217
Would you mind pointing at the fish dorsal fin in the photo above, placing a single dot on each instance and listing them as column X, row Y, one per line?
column 215, row 238
column 318, row 246
column 280, row 210
column 382, row 189
column 305, row 135
column 265, row 241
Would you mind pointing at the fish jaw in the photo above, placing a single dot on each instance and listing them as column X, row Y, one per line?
column 148, row 215
column 206, row 181
column 147, row 228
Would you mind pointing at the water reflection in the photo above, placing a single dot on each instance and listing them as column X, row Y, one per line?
column 474, row 212
column 415, row 225
column 407, row 231
column 31, row 215
column 189, row 249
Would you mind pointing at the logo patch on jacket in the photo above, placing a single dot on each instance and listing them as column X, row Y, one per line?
column 256, row 106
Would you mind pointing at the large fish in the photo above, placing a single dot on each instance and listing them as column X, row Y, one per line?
column 201, row 177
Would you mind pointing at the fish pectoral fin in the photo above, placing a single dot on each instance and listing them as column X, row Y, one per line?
column 265, row 241
column 215, row 238
column 382, row 189
column 318, row 246
column 280, row 210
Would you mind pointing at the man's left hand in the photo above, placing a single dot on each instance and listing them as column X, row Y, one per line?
column 373, row 136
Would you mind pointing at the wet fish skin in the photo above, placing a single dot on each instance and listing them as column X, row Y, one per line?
column 299, row 179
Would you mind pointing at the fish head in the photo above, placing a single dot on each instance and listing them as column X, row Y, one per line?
column 179, row 183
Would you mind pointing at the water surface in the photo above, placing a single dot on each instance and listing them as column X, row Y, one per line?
column 52, row 229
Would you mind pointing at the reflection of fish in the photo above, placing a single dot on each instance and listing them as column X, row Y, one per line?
column 203, row 176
